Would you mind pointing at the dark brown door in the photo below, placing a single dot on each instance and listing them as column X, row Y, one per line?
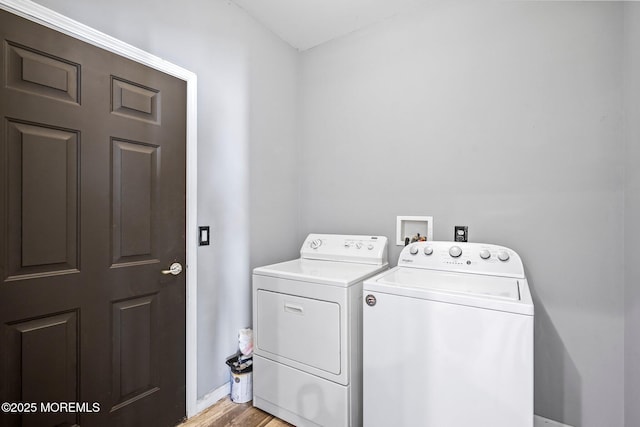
column 92, row 208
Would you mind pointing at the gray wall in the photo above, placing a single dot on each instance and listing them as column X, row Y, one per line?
column 632, row 214
column 247, row 190
column 505, row 117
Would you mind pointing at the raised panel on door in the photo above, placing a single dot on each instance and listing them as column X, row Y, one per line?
column 41, row 74
column 135, row 101
column 135, row 350
column 42, row 205
column 41, row 359
column 135, row 169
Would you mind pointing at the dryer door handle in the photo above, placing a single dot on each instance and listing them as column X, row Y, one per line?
column 293, row 308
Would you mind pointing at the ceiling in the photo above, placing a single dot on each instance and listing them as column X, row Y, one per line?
column 307, row 23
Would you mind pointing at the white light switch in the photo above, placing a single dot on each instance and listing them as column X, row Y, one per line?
column 203, row 237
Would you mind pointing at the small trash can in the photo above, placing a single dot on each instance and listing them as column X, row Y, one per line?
column 241, row 378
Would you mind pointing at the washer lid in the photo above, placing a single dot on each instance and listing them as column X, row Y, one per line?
column 319, row 271
column 499, row 293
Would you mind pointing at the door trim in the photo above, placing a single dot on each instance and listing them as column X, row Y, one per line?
column 51, row 19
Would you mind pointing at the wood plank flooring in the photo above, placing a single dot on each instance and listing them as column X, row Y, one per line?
column 225, row 413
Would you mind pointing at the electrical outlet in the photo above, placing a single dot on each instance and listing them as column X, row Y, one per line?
column 460, row 233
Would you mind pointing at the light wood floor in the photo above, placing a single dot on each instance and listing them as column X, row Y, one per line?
column 225, row 413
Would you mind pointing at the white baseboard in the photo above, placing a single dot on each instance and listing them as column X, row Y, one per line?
column 539, row 421
column 212, row 397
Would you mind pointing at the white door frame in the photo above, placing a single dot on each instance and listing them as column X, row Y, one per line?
column 47, row 17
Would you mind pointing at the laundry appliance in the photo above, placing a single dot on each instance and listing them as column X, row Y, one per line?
column 448, row 339
column 307, row 320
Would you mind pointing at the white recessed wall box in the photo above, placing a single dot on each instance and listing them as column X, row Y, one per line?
column 410, row 226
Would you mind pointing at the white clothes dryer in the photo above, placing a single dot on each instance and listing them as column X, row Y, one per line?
column 448, row 339
column 307, row 320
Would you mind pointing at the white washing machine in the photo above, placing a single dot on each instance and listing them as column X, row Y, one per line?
column 307, row 320
column 448, row 339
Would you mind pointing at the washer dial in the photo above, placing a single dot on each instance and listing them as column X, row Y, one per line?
column 455, row 251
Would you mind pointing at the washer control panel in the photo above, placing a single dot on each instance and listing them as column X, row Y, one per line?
column 464, row 257
column 346, row 248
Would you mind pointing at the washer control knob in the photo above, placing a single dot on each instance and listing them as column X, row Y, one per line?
column 485, row 254
column 428, row 250
column 315, row 244
column 347, row 244
column 370, row 247
column 359, row 245
column 413, row 250
column 455, row 251
column 503, row 256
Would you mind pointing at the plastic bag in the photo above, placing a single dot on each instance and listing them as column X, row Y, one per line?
column 245, row 341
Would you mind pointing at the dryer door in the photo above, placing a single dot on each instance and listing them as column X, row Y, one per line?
column 300, row 329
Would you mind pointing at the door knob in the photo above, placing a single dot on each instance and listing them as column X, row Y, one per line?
column 175, row 269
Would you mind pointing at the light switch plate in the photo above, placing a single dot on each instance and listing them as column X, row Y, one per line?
column 203, row 235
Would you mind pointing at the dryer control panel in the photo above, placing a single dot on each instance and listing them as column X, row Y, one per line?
column 345, row 248
column 476, row 258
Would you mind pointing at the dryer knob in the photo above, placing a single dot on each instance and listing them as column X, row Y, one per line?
column 413, row 250
column 370, row 247
column 503, row 256
column 455, row 251
column 315, row 244
column 358, row 245
column 428, row 250
column 485, row 254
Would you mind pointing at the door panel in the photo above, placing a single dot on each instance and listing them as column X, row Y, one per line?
column 42, row 171
column 135, row 186
column 41, row 74
column 135, row 350
column 92, row 208
column 43, row 362
column 135, row 101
